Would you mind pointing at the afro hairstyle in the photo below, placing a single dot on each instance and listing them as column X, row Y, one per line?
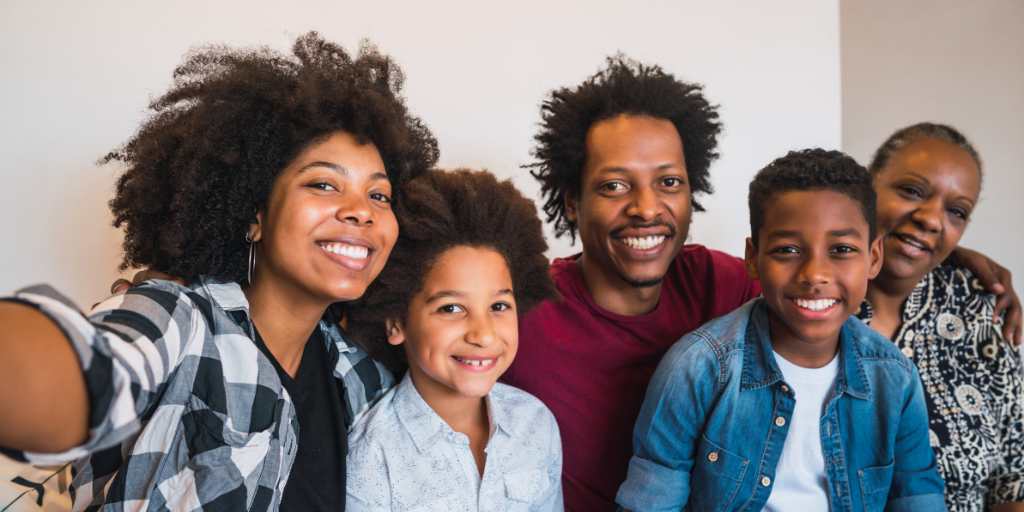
column 438, row 211
column 625, row 87
column 202, row 166
column 811, row 169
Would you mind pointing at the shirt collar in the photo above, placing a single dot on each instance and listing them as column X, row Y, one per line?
column 230, row 297
column 760, row 368
column 423, row 424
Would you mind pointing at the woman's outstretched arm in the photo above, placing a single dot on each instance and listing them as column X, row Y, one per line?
column 42, row 390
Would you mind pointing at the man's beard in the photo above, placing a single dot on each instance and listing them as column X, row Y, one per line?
column 642, row 283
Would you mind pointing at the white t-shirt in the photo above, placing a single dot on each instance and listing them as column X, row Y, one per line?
column 800, row 482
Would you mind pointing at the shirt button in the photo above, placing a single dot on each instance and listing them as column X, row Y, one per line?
column 780, row 421
column 765, row 481
column 907, row 351
column 713, row 457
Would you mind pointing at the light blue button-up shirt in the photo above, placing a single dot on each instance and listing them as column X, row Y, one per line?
column 718, row 411
column 403, row 456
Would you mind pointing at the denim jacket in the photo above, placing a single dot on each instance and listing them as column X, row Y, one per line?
column 713, row 423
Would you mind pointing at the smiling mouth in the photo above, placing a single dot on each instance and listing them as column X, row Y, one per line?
column 644, row 243
column 912, row 241
column 356, row 252
column 476, row 363
column 815, row 305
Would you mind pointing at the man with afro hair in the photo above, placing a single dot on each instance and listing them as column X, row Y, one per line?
column 621, row 159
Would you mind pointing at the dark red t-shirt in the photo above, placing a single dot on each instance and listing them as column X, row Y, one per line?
column 591, row 366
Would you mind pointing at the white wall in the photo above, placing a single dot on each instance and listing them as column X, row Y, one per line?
column 960, row 63
column 77, row 79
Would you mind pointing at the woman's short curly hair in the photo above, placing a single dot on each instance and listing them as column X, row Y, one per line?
column 441, row 210
column 202, row 166
column 627, row 87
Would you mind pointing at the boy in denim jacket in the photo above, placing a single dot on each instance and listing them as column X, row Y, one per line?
column 790, row 403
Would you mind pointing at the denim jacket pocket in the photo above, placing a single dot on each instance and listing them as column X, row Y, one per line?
column 874, row 485
column 717, row 474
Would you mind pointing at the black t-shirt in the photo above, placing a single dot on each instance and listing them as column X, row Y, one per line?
column 317, row 479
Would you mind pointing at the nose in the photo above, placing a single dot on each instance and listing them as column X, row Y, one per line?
column 928, row 215
column 643, row 204
column 355, row 209
column 816, row 270
column 481, row 330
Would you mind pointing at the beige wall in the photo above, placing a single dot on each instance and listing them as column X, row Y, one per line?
column 960, row 63
column 77, row 77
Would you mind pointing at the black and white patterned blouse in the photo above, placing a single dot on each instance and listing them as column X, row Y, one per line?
column 973, row 387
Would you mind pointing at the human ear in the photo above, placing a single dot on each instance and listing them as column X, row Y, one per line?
column 396, row 333
column 571, row 203
column 255, row 232
column 877, row 255
column 750, row 259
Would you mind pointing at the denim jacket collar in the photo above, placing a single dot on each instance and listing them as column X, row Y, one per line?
column 760, row 368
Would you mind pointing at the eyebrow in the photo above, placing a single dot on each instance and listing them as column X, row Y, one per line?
column 622, row 170
column 790, row 233
column 340, row 169
column 444, row 294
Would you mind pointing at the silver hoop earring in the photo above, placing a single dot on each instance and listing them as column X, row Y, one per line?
column 252, row 258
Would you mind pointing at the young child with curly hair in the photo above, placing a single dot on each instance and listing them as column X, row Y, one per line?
column 266, row 182
column 469, row 260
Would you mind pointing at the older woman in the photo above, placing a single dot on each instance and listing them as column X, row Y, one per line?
column 928, row 177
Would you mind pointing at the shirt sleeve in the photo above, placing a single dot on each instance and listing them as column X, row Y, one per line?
column 367, row 482
column 1007, row 481
column 127, row 348
column 670, row 420
column 916, row 484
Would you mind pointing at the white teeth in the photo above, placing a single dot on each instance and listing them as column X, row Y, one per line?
column 356, row 252
column 475, row 362
column 644, row 242
column 815, row 305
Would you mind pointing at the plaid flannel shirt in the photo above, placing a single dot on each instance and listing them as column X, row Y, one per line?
column 186, row 412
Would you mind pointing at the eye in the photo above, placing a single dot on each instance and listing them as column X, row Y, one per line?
column 911, row 191
column 673, row 181
column 450, row 309
column 785, row 250
column 501, row 306
column 960, row 213
column 323, row 186
column 612, row 187
column 845, row 249
column 380, row 197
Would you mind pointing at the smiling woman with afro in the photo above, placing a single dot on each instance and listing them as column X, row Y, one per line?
column 274, row 171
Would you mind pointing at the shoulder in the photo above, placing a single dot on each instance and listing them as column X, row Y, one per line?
column 524, row 407
column 958, row 287
column 696, row 256
column 876, row 349
column 709, row 347
column 379, row 425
